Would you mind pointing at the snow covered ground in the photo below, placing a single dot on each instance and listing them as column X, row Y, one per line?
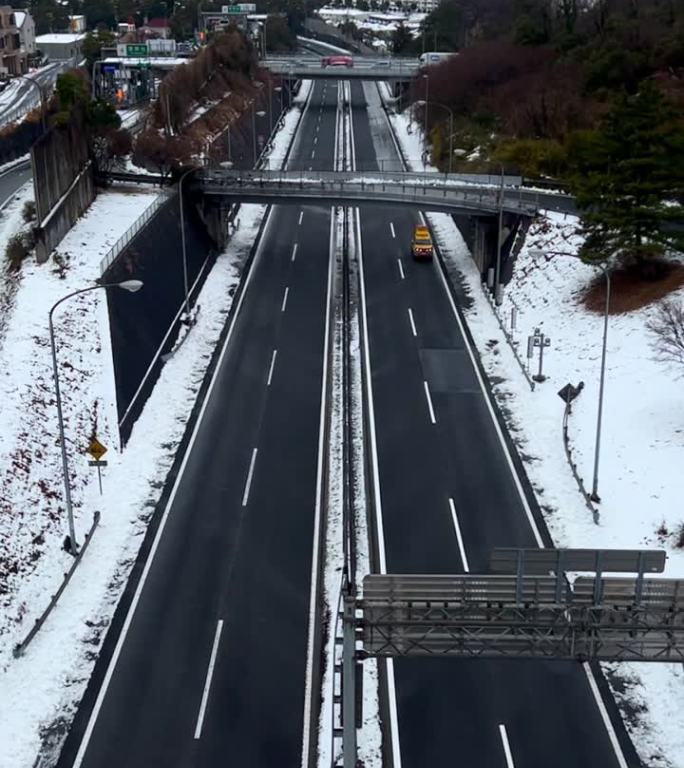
column 640, row 483
column 57, row 665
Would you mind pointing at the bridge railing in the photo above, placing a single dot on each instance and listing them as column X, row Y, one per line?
column 411, row 187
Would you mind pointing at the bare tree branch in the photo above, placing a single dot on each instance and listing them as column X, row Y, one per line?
column 667, row 328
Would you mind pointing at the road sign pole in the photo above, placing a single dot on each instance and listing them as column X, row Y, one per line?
column 349, row 683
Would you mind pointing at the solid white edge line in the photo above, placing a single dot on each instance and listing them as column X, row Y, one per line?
column 207, row 681
column 413, row 324
column 157, row 354
column 391, row 687
column 401, row 269
column 459, row 537
column 506, row 746
column 162, row 524
column 294, row 249
column 622, row 762
column 313, row 596
column 270, row 370
column 429, row 402
column 619, row 756
column 284, row 304
column 248, row 484
column 392, row 229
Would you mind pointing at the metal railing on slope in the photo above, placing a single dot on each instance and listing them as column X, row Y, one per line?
column 133, row 230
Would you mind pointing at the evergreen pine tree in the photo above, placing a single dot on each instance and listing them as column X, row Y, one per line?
column 629, row 179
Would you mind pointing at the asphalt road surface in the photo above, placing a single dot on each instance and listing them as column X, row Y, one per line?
column 20, row 97
column 212, row 668
column 12, row 180
column 441, row 465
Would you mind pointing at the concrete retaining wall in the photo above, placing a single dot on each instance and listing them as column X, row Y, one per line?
column 63, row 183
column 144, row 325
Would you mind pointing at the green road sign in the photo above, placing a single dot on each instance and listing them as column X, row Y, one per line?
column 231, row 9
column 133, row 49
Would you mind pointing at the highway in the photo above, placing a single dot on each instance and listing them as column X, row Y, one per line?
column 20, row 97
column 216, row 659
column 448, row 496
column 211, row 665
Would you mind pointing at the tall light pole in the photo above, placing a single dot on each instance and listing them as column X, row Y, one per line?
column 599, row 417
column 186, row 288
column 37, row 85
column 255, row 112
column 594, row 496
column 451, row 128
column 279, row 89
column 127, row 285
column 425, row 130
column 499, row 244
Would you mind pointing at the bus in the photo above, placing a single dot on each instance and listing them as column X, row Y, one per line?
column 429, row 58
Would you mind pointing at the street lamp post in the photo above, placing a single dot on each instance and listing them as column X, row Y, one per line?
column 255, row 112
column 499, row 244
column 425, row 130
column 451, row 128
column 279, row 89
column 127, row 285
column 186, row 288
column 37, row 85
column 594, row 496
column 599, row 417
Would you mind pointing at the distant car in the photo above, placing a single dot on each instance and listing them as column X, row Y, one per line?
column 337, row 61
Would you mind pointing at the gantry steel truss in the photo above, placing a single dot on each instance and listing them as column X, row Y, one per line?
column 528, row 616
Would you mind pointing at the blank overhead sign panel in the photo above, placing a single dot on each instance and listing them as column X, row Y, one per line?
column 541, row 561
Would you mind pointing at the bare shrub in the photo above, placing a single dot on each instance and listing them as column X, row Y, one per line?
column 17, row 250
column 29, row 211
column 667, row 329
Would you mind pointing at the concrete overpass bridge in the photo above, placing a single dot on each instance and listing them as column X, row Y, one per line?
column 303, row 67
column 429, row 191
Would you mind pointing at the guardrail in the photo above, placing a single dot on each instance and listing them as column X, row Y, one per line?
column 573, row 466
column 133, row 230
column 21, row 647
column 422, row 190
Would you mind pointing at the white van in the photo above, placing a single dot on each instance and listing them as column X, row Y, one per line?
column 429, row 58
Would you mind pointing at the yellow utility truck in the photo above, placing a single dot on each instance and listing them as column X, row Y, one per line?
column 421, row 245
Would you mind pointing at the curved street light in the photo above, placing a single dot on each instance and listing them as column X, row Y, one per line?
column 37, row 85
column 127, row 285
column 186, row 288
column 260, row 113
column 451, row 124
column 599, row 416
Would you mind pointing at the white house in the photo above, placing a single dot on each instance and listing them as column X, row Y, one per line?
column 27, row 31
column 60, row 46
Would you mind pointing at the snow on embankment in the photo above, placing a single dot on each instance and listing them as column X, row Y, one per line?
column 39, row 693
column 32, row 514
column 640, row 482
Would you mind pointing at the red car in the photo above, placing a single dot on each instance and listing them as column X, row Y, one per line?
column 337, row 61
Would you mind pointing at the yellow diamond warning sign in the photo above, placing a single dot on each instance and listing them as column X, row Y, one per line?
column 96, row 449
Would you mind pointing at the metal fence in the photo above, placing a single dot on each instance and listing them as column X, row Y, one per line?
column 133, row 230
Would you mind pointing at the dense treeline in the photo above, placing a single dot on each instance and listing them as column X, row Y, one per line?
column 588, row 92
column 542, row 69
